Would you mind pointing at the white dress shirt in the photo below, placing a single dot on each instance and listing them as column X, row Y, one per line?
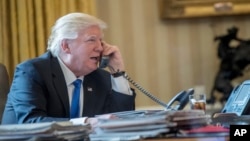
column 119, row 84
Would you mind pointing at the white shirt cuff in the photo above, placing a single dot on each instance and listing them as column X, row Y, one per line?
column 120, row 84
column 77, row 121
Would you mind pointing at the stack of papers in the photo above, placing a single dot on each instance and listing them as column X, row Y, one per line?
column 44, row 131
column 145, row 124
column 189, row 119
column 227, row 119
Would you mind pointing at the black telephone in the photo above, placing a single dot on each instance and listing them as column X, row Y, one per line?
column 104, row 61
column 180, row 100
column 239, row 100
column 176, row 103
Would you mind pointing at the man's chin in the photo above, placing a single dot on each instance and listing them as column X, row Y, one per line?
column 94, row 68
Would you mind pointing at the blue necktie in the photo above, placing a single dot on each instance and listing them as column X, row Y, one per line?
column 75, row 106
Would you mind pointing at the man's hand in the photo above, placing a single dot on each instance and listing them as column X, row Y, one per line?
column 116, row 61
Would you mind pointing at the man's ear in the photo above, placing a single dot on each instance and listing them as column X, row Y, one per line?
column 65, row 46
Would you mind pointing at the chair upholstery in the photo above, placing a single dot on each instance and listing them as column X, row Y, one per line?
column 4, row 88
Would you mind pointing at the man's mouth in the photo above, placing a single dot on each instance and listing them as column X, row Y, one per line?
column 95, row 58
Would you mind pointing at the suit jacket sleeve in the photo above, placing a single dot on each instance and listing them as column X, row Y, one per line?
column 38, row 93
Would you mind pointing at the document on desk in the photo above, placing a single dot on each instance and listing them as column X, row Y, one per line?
column 132, row 128
column 44, row 131
column 141, row 121
column 147, row 124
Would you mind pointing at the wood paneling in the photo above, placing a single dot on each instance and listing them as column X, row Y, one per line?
column 165, row 56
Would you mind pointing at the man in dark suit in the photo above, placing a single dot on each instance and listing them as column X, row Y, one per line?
column 42, row 88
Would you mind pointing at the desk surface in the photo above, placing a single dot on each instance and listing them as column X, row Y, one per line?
column 222, row 138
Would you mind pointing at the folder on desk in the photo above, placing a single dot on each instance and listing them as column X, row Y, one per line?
column 206, row 131
column 44, row 131
column 136, row 128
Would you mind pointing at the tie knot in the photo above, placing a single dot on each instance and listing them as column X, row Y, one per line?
column 77, row 83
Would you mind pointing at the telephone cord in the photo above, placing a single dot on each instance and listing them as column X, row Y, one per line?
column 144, row 91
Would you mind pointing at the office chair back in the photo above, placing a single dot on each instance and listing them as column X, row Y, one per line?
column 4, row 88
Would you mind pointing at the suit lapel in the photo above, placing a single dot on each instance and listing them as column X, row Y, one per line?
column 89, row 96
column 60, row 84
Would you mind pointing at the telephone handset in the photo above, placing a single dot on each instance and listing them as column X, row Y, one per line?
column 181, row 98
column 104, row 61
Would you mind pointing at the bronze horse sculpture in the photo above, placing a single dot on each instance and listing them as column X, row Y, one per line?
column 234, row 59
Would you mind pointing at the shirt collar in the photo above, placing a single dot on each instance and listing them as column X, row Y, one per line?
column 68, row 74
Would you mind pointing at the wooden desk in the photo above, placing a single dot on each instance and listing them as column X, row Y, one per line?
column 226, row 138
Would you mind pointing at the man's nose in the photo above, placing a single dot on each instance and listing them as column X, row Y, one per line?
column 100, row 46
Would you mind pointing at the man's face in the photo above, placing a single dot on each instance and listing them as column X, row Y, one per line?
column 84, row 51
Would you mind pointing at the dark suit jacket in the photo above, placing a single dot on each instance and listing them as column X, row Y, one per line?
column 39, row 93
